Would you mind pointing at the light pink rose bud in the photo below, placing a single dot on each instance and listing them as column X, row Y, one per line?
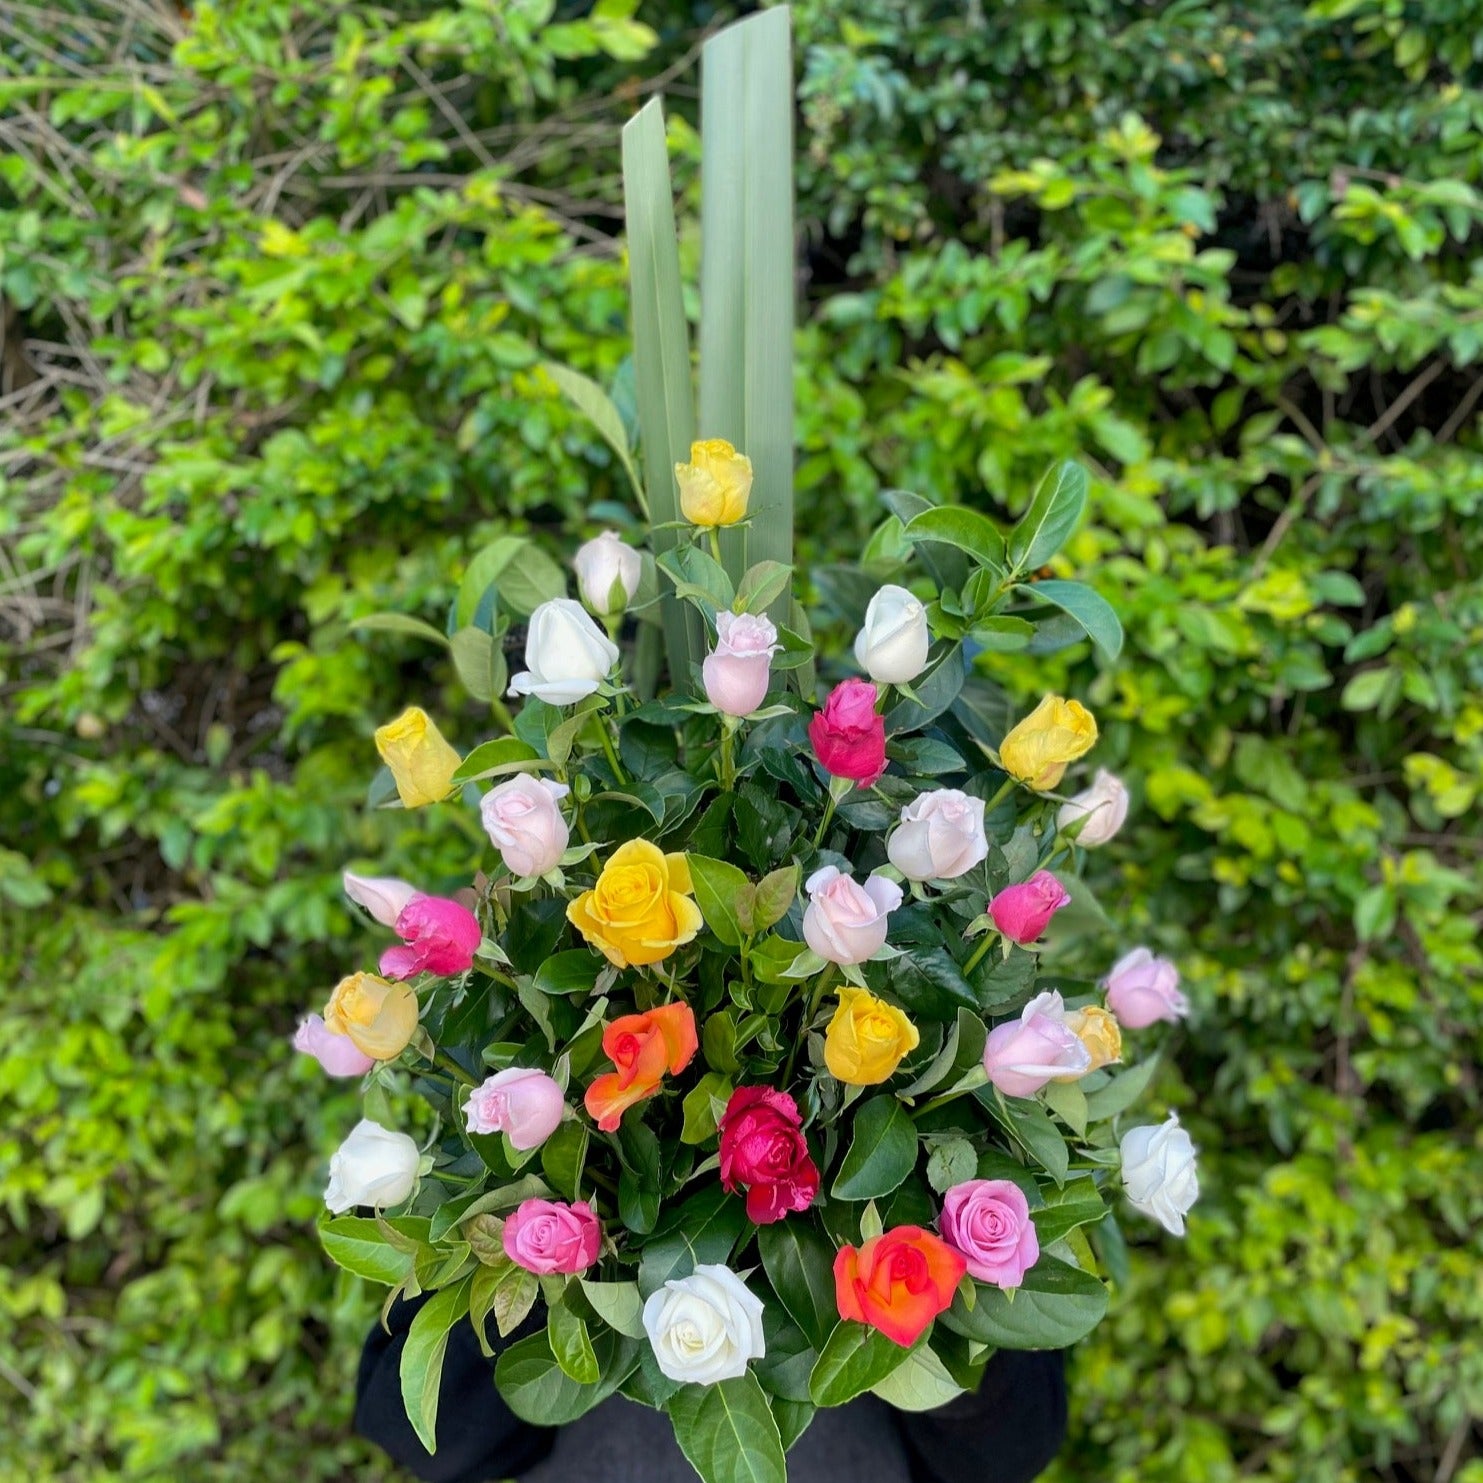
column 337, row 1054
column 1022, row 1055
column 987, row 1222
column 736, row 672
column 1104, row 806
column 844, row 921
column 525, row 1104
column 383, row 896
column 1143, row 989
column 545, row 1236
column 608, row 573
column 1023, row 912
column 523, row 820
column 941, row 836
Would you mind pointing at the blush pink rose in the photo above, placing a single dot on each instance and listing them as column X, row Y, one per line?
column 524, row 821
column 382, row 896
column 737, row 670
column 546, row 1236
column 525, row 1104
column 337, row 1054
column 849, row 736
column 987, row 1222
column 844, row 921
column 1022, row 1055
column 1023, row 912
column 1143, row 989
column 440, row 936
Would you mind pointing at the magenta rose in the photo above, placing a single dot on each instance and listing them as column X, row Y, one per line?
column 1023, row 912
column 987, row 1222
column 546, row 1236
column 849, row 735
column 763, row 1150
column 440, row 935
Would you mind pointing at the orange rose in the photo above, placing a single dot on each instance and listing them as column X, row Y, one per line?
column 897, row 1282
column 643, row 1047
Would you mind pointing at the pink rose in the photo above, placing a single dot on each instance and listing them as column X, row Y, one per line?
column 844, row 921
column 382, row 896
column 337, row 1054
column 525, row 1104
column 1023, row 912
column 546, row 1236
column 1143, row 989
column 1022, row 1055
column 440, row 935
column 523, row 820
column 737, row 670
column 763, row 1151
column 848, row 735
column 987, row 1221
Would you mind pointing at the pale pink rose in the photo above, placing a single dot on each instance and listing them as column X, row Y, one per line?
column 941, row 836
column 1023, row 912
column 525, row 1104
column 546, row 1236
column 1104, row 806
column 523, row 819
column 737, row 670
column 382, row 896
column 1143, row 989
column 440, row 936
column 1022, row 1055
column 987, row 1222
column 844, row 921
column 337, row 1054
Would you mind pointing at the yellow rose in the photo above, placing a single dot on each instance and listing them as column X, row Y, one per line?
column 640, row 909
column 866, row 1039
column 419, row 757
column 1055, row 733
column 1099, row 1031
column 379, row 1017
column 715, row 484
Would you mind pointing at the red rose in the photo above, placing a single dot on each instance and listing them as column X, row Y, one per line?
column 849, row 735
column 763, row 1150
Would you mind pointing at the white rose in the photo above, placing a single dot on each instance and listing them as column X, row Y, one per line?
column 705, row 1327
column 373, row 1166
column 1104, row 806
column 567, row 655
column 941, row 836
column 845, row 922
column 1159, row 1172
column 607, row 573
column 524, row 822
column 383, row 896
column 892, row 647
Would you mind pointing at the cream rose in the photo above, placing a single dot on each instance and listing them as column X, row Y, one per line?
column 373, row 1166
column 1104, row 806
column 704, row 1327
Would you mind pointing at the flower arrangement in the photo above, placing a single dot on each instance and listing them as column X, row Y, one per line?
column 751, row 1087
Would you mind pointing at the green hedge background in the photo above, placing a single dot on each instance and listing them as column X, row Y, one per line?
column 276, row 280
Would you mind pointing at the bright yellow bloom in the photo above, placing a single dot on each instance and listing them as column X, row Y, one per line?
column 640, row 909
column 379, row 1017
column 1037, row 751
column 419, row 757
column 866, row 1039
column 716, row 484
column 1099, row 1031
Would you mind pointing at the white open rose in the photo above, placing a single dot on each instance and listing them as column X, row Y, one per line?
column 373, row 1166
column 1159, row 1173
column 608, row 573
column 892, row 646
column 940, row 837
column 567, row 656
column 704, row 1327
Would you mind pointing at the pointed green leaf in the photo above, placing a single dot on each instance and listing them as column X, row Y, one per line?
column 1088, row 607
column 422, row 1359
column 728, row 1432
column 882, row 1153
column 1054, row 513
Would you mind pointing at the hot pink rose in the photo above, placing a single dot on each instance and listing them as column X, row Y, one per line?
column 987, row 1221
column 1023, row 912
column 848, row 735
column 546, row 1236
column 1142, row 989
column 737, row 670
column 441, row 937
column 1022, row 1055
column 336, row 1053
column 525, row 1104
column 763, row 1150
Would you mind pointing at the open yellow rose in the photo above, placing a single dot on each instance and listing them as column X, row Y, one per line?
column 640, row 909
column 866, row 1039
column 379, row 1017
column 1036, row 751
column 716, row 484
column 419, row 757
column 1099, row 1031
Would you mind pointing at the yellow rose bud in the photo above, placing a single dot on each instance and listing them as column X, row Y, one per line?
column 866, row 1039
column 716, row 484
column 640, row 909
column 1099, row 1031
column 379, row 1017
column 1037, row 751
column 419, row 757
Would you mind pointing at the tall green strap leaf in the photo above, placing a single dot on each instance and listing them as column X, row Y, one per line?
column 661, row 354
column 747, row 273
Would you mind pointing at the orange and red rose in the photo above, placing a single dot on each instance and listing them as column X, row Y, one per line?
column 897, row 1282
column 643, row 1047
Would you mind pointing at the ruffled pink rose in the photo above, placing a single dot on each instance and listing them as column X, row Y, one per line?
column 440, row 935
column 987, row 1222
column 737, row 670
column 546, row 1236
column 523, row 1103
column 1143, row 989
column 849, row 735
column 1023, row 912
column 524, row 821
column 337, row 1054
column 844, row 921
column 1022, row 1055
column 382, row 896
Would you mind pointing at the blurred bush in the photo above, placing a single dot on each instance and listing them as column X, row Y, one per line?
column 276, row 288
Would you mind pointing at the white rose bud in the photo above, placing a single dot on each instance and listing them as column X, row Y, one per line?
column 941, row 836
column 524, row 822
column 892, row 647
column 567, row 656
column 1159, row 1172
column 383, row 896
column 1104, row 806
column 607, row 573
column 705, row 1327
column 373, row 1166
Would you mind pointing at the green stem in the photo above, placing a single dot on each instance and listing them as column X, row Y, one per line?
column 821, row 986
column 727, row 757
column 991, row 936
column 443, row 1059
column 715, row 536
column 1005, row 789
column 825, row 821
column 501, row 713
column 607, row 745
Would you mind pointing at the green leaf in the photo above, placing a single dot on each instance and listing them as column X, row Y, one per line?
column 1088, row 607
column 728, row 1432
column 399, row 623
column 356, row 1244
column 514, row 1298
column 488, row 759
column 1080, row 1203
column 799, row 1262
column 717, row 885
column 704, row 1103
column 562, row 1157
column 962, row 1049
column 525, row 584
column 965, row 529
column 770, row 902
column 1122, row 1091
column 792, row 1417
column 571, row 972
column 597, row 407
column 618, row 1304
column 421, row 1366
column 476, row 659
column 761, row 585
column 921, row 1384
column 882, row 1152
column 571, row 1344
column 854, row 1358
column 1031, row 1125
column 702, row 1230
column 1054, row 1306
column 1054, row 513
column 1069, row 1103
column 537, row 1390
column 1002, row 633
column 718, row 1042
column 951, row 1162
column 930, row 985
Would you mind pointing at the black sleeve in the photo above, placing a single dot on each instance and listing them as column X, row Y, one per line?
column 479, row 1437
column 1006, row 1433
